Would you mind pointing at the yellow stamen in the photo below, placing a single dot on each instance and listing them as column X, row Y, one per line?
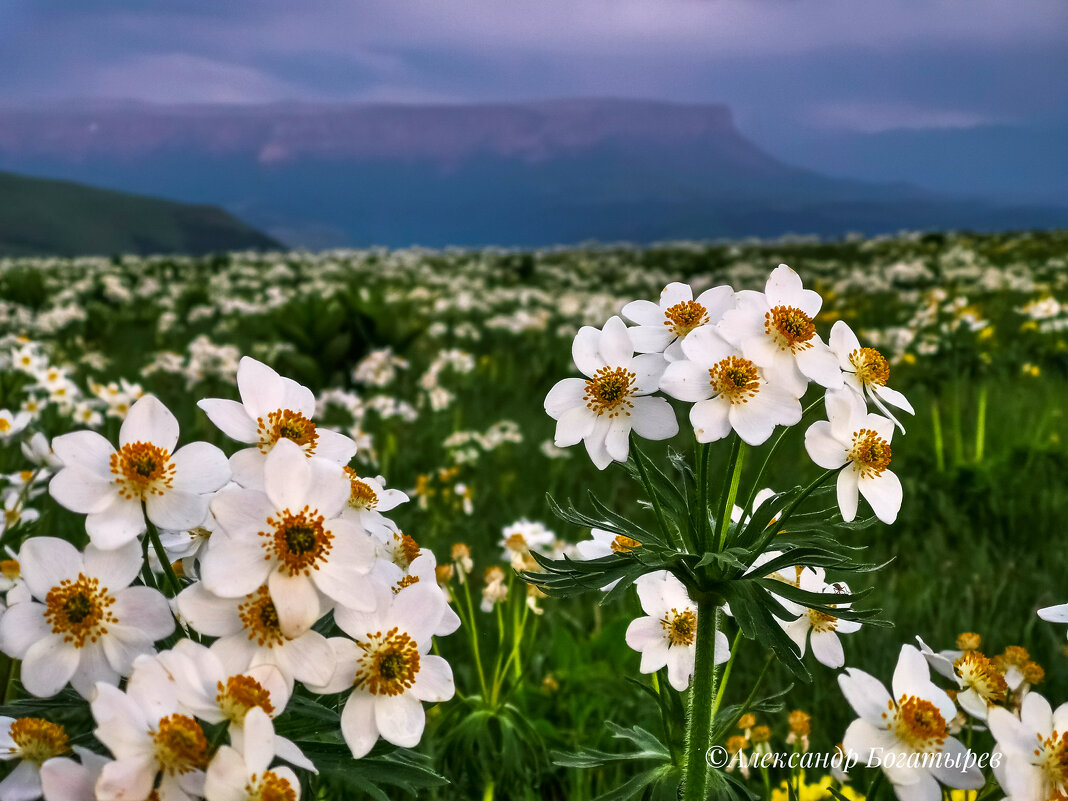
column 608, row 392
column 684, row 317
column 79, row 610
column 735, row 379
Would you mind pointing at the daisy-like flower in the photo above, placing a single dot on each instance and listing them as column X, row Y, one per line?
column 824, row 627
column 368, row 499
column 727, row 391
column 602, row 544
column 909, row 731
column 272, row 409
column 1055, row 614
column 244, row 773
column 775, row 330
column 388, row 668
column 522, row 537
column 495, row 591
column 12, row 424
column 614, row 398
column 982, row 684
column 34, row 742
column 866, row 371
column 63, row 779
column 663, row 327
column 111, row 486
column 85, row 624
column 859, row 443
column 423, row 570
column 1035, row 747
column 289, row 537
column 667, row 635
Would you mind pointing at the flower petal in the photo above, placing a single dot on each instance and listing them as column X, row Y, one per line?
column 149, row 421
column 231, row 418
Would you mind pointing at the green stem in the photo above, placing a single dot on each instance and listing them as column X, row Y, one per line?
column 487, row 794
column 936, row 433
column 473, row 629
column 732, row 479
column 161, row 554
column 980, row 423
column 702, row 695
column 727, row 673
column 957, row 420
column 875, row 785
column 9, row 684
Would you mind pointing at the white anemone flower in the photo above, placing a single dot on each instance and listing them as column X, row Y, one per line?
column 775, row 330
column 272, row 409
column 35, row 742
column 1035, row 749
column 909, row 731
column 866, row 371
column 667, row 636
column 289, row 537
column 1055, row 614
column 727, row 391
column 602, row 544
column 422, row 571
column 388, row 669
column 12, row 424
column 615, row 397
column 243, row 772
column 86, row 623
column 662, row 327
column 822, row 628
column 982, row 684
column 859, row 443
column 110, row 486
column 368, row 499
column 522, row 537
column 63, row 779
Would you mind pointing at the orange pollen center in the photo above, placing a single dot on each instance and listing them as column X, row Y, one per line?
column 684, row 317
column 79, row 610
column 361, row 496
column 180, row 744
column 870, row 453
column 622, row 544
column 821, row 621
column 982, row 675
column 1053, row 760
column 389, row 663
column 37, row 740
column 407, row 581
column 871, row 367
column 681, row 627
column 298, row 541
column 260, row 619
column 239, row 695
column 735, row 379
column 405, row 550
column 919, row 724
column 287, row 424
column 609, row 391
column 9, row 569
column 142, row 469
column 271, row 787
column 517, row 543
column 791, row 328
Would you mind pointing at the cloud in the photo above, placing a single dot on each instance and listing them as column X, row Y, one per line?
column 877, row 117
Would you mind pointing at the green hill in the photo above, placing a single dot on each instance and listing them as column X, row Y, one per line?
column 45, row 217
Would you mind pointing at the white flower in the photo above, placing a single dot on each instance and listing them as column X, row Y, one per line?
column 110, row 486
column 289, row 537
column 63, row 779
column 272, row 408
column 1035, row 749
column 86, row 623
column 866, row 371
column 774, row 329
column 909, row 734
column 241, row 773
column 422, row 571
column 727, row 391
column 661, row 328
column 368, row 498
column 602, row 544
column 389, row 669
column 613, row 399
column 12, row 424
column 34, row 742
column 667, row 636
column 859, row 443
column 1055, row 614
column 522, row 537
column 982, row 685
column 825, row 627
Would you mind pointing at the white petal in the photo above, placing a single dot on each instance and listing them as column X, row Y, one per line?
column 209, row 614
column 334, row 447
column 231, row 418
column 614, row 346
column 654, row 419
column 358, row 723
column 65, row 780
column 149, row 421
column 22, row 784
column 226, row 776
column 644, row 313
column 573, row 426
column 116, row 568
column 434, row 681
column 81, row 491
column 675, row 293
column 951, row 773
column 1055, row 614
column 286, row 475
column 296, row 600
column 242, row 512
column 911, row 673
column 883, row 492
column 177, row 510
column 234, row 566
column 126, row 778
column 651, row 338
column 867, row 695
column 46, row 562
column 145, row 609
column 48, row 666
column 565, row 394
column 117, row 525
column 200, row 467
column 710, row 420
column 848, row 493
column 617, row 440
column 21, row 626
column 85, row 449
column 687, row 381
column 400, row 719
column 261, row 388
column 246, row 468
column 585, row 352
column 820, row 365
column 827, row 649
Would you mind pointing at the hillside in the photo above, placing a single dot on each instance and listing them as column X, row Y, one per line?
column 46, row 217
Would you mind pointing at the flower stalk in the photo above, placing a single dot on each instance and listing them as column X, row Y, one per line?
column 702, row 703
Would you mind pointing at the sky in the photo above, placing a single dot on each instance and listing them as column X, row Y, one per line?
column 865, row 66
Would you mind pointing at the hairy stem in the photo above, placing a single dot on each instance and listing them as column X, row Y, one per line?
column 702, row 704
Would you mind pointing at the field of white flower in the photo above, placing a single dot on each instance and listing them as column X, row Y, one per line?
column 676, row 522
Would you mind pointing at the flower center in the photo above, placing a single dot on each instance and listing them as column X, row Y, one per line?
column 239, row 695
column 982, row 675
column 37, row 740
column 870, row 453
column 684, row 317
column 870, row 366
column 517, row 543
column 609, row 391
column 9, row 569
column 405, row 550
column 287, row 424
column 389, row 663
column 361, row 496
column 919, row 724
column 180, row 744
column 79, row 610
column 407, row 581
column 681, row 627
column 142, row 468
column 821, row 621
column 260, row 618
column 735, row 379
column 622, row 544
column 299, row 541
column 271, row 788
column 1054, row 763
column 790, row 328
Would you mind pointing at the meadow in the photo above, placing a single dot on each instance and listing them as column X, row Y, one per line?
column 437, row 364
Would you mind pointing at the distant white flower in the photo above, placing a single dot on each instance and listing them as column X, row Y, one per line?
column 34, row 742
column 667, row 636
column 914, row 725
column 244, row 773
column 110, row 486
column 727, row 391
column 272, row 409
column 12, row 424
column 824, row 626
column 1035, row 747
column 522, row 537
column 775, row 330
column 368, row 499
column 661, row 328
column 866, row 371
column 859, row 443
column 602, row 544
column 1055, row 614
column 86, row 623
column 614, row 398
